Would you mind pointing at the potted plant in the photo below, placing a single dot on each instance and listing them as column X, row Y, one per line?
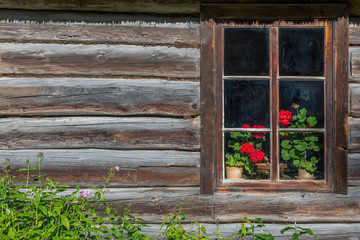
column 299, row 147
column 245, row 151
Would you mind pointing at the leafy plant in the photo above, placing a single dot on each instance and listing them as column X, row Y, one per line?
column 298, row 147
column 39, row 211
column 249, row 230
column 296, row 234
column 245, row 149
column 174, row 229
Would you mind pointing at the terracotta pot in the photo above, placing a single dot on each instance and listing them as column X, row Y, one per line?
column 264, row 168
column 304, row 175
column 234, row 172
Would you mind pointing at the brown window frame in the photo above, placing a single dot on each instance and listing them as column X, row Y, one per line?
column 214, row 17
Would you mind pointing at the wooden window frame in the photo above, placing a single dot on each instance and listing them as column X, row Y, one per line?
column 335, row 20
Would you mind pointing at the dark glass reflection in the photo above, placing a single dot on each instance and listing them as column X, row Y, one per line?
column 246, row 51
column 307, row 95
column 301, row 51
column 246, row 102
column 302, row 150
column 250, row 150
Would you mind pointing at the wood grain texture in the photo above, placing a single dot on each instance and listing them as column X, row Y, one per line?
column 354, row 169
column 328, row 231
column 341, row 56
column 354, row 99
column 354, row 34
column 99, row 60
column 137, row 32
column 100, row 132
column 91, row 96
column 354, row 133
column 87, row 167
column 139, row 6
column 154, row 203
column 207, row 94
column 279, row 11
column 354, row 59
column 144, row 6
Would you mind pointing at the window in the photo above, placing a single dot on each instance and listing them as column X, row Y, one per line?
column 268, row 94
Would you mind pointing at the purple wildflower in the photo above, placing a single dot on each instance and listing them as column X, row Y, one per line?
column 84, row 194
column 117, row 168
column 8, row 159
column 41, row 149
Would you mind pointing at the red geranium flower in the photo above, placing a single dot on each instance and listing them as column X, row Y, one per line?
column 257, row 156
column 307, row 126
column 258, row 134
column 247, row 148
column 245, row 126
column 284, row 117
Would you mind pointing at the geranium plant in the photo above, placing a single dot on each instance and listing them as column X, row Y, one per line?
column 246, row 148
column 298, row 147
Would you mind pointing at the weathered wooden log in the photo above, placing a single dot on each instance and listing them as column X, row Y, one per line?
column 137, row 32
column 354, row 99
column 100, row 132
column 354, row 61
column 139, row 6
column 99, row 60
column 117, row 97
column 354, row 133
column 354, row 34
column 152, row 204
column 88, row 167
column 354, row 169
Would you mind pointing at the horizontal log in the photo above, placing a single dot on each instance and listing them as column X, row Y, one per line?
column 354, row 169
column 328, row 231
column 152, row 204
column 137, row 32
column 354, row 99
column 90, row 96
column 354, row 34
column 100, row 132
column 354, row 63
column 87, row 167
column 99, row 60
column 139, row 6
column 353, row 133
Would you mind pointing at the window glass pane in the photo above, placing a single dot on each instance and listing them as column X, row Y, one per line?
column 302, row 153
column 249, row 150
column 246, row 102
column 246, row 51
column 304, row 100
column 301, row 51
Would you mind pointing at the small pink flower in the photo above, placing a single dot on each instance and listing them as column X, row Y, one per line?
column 41, row 149
column 8, row 159
column 117, row 168
column 84, row 194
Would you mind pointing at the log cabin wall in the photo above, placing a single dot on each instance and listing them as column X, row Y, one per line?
column 99, row 90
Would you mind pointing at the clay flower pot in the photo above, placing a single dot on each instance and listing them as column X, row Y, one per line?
column 304, row 175
column 234, row 172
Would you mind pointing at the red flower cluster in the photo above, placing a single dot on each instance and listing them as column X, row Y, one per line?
column 255, row 155
column 258, row 134
column 284, row 117
column 245, row 126
column 247, row 148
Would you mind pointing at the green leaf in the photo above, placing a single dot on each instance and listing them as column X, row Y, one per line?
column 303, row 112
column 65, row 221
column 285, row 144
column 311, row 121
